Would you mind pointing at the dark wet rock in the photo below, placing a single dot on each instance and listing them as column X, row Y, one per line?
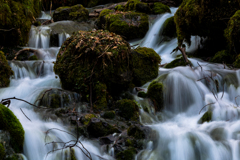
column 5, row 71
column 107, row 140
column 207, row 117
column 142, row 94
column 54, row 40
column 139, row 131
column 108, row 114
column 178, row 62
column 128, row 109
column 155, row 93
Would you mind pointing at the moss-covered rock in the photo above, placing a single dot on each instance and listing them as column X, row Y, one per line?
column 130, row 25
column 97, row 60
column 33, row 58
column 155, row 93
column 96, row 128
column 16, row 20
column 128, row 109
column 100, row 91
column 178, row 62
column 74, row 13
column 207, row 117
column 232, row 32
column 222, row 57
column 119, row 8
column 160, row 8
column 145, row 65
column 204, row 18
column 109, row 114
column 127, row 154
column 136, row 132
column 5, row 71
column 2, row 151
column 86, row 118
column 138, row 6
column 142, row 94
column 169, row 28
column 10, row 123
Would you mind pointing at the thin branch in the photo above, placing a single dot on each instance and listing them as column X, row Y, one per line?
column 206, row 106
column 25, row 115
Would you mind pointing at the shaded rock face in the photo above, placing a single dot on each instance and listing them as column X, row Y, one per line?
column 74, row 13
column 16, row 20
column 5, row 71
column 130, row 25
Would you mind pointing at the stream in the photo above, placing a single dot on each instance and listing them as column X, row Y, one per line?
column 186, row 92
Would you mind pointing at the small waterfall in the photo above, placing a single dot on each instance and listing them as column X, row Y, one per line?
column 62, row 37
column 45, row 15
column 39, row 37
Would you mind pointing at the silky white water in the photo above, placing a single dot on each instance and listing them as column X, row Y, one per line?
column 186, row 91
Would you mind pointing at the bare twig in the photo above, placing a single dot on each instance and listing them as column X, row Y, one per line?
column 206, row 106
column 25, row 115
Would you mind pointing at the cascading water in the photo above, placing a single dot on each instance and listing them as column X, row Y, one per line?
column 30, row 79
column 188, row 94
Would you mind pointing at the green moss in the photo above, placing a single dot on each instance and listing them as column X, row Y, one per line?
column 101, row 96
column 207, row 117
column 130, row 25
column 232, row 32
column 131, row 5
column 142, row 94
column 10, row 123
column 155, row 93
column 160, row 8
column 128, row 109
column 16, row 17
column 99, row 56
column 86, row 119
column 127, row 154
column 169, row 28
column 119, row 8
column 74, row 13
column 178, row 62
column 203, row 18
column 236, row 64
column 5, row 71
column 2, row 151
column 145, row 65
column 37, row 23
column 222, row 57
column 109, row 114
column 135, row 132
column 72, row 152
column 55, row 100
column 33, row 58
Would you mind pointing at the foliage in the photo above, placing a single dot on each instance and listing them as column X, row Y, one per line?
column 10, row 123
column 5, row 71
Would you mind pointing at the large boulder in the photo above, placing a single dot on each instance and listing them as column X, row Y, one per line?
column 74, row 13
column 130, row 25
column 204, row 18
column 16, row 20
column 97, row 61
column 138, row 6
column 145, row 65
column 160, row 8
column 10, row 123
column 5, row 71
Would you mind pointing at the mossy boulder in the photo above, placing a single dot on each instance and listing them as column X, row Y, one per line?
column 130, row 25
column 86, row 118
column 127, row 154
column 169, row 28
column 222, row 57
column 142, row 94
column 10, row 123
column 16, row 20
column 232, row 32
column 207, row 117
column 5, row 71
column 119, row 8
column 128, row 109
column 109, row 114
column 178, row 62
column 138, row 131
column 96, row 128
column 95, row 60
column 155, row 93
column 2, row 151
column 74, row 13
column 160, row 8
column 204, row 18
column 145, row 65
